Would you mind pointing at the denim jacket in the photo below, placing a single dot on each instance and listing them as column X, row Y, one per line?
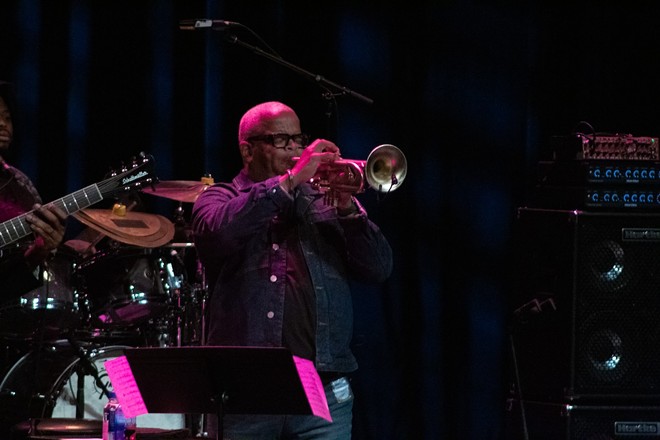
column 246, row 268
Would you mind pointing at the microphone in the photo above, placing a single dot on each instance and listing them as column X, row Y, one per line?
column 205, row 23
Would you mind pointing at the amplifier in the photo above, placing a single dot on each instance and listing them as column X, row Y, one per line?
column 595, row 197
column 557, row 421
column 608, row 147
column 581, row 172
column 584, row 291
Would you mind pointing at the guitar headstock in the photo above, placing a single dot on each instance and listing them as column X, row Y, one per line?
column 129, row 178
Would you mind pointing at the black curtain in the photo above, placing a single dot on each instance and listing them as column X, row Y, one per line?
column 469, row 91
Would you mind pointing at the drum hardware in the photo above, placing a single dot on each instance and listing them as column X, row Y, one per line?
column 95, row 236
column 185, row 191
column 125, row 286
column 174, row 270
column 189, row 296
column 47, row 310
column 181, row 303
column 133, row 228
column 149, row 297
column 182, row 191
column 84, row 367
column 182, row 325
column 111, row 336
column 44, row 383
column 191, row 323
column 182, row 231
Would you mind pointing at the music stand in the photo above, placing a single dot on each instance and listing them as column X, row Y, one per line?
column 220, row 380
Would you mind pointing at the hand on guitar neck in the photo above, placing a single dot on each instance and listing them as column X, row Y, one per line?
column 48, row 223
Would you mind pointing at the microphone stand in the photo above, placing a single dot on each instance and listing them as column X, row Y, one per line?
column 84, row 367
column 313, row 76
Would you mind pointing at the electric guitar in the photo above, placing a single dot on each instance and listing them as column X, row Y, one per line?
column 139, row 174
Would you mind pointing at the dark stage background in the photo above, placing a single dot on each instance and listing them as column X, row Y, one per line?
column 469, row 90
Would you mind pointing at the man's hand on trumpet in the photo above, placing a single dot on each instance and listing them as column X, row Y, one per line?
column 306, row 167
column 303, row 168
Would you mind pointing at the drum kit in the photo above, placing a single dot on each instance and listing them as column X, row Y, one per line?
column 145, row 289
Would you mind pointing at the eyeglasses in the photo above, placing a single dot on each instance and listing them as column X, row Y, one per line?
column 281, row 140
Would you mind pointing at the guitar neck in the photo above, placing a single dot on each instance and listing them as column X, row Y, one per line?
column 18, row 227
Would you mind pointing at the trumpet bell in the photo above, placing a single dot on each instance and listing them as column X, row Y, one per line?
column 385, row 168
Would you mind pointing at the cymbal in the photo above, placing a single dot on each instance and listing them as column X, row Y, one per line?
column 180, row 190
column 134, row 228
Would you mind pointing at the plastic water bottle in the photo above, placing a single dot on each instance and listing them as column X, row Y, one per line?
column 115, row 425
column 130, row 428
column 110, row 417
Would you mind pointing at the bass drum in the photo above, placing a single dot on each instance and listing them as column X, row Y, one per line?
column 44, row 384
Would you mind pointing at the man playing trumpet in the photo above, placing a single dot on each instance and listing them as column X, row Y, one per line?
column 279, row 260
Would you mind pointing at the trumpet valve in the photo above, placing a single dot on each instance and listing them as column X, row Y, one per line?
column 339, row 176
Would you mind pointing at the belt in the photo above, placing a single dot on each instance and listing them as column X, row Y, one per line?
column 330, row 376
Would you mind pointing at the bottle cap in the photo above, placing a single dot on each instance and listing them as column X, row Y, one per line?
column 112, row 394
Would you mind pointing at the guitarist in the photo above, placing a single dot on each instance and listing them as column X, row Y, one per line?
column 19, row 265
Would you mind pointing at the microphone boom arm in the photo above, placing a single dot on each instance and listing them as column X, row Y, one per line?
column 315, row 77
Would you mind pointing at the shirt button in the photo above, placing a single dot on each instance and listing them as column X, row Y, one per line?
column 270, row 315
column 273, row 278
column 276, row 246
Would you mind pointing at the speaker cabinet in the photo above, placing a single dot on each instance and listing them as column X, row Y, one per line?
column 553, row 421
column 586, row 302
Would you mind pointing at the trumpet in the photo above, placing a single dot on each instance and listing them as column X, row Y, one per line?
column 384, row 171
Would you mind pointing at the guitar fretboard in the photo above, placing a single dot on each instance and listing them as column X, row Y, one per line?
column 18, row 227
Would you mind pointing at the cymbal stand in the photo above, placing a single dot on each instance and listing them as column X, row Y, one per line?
column 181, row 231
column 179, row 218
column 205, row 298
